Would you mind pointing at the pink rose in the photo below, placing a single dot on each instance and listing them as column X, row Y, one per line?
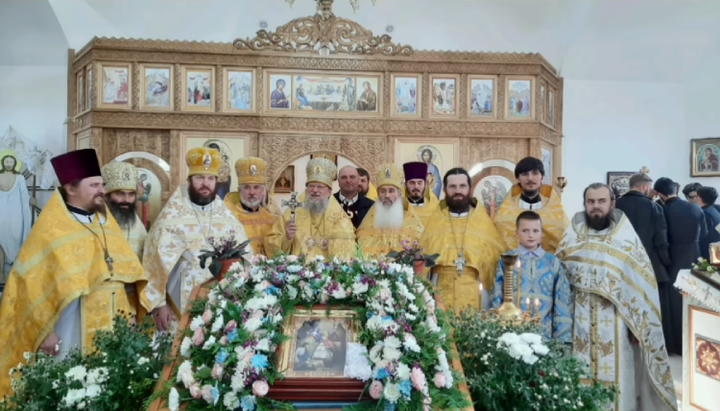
column 195, row 391
column 257, row 314
column 440, row 380
column 199, row 337
column 376, row 390
column 348, row 291
column 207, row 394
column 426, row 403
column 223, row 340
column 231, row 326
column 217, row 372
column 207, row 317
column 418, row 380
column 248, row 357
column 260, row 388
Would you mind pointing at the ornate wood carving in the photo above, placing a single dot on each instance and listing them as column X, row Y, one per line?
column 322, row 42
column 281, row 149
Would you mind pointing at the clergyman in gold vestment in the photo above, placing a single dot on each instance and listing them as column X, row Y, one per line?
column 74, row 274
column 320, row 227
column 468, row 243
column 531, row 194
column 121, row 182
column 390, row 221
column 246, row 203
column 418, row 194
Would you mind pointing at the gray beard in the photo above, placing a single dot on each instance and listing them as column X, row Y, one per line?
column 389, row 217
column 252, row 204
column 316, row 207
column 124, row 217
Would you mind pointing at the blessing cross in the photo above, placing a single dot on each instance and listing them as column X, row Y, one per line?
column 292, row 204
column 460, row 263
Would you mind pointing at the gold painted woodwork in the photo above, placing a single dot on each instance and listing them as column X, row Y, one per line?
column 282, row 137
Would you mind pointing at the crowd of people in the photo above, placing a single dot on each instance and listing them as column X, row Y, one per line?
column 601, row 282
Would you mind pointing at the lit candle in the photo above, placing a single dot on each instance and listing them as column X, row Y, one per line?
column 517, row 264
column 537, row 303
column 527, row 303
column 481, row 288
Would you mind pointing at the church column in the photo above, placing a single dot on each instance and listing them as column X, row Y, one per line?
column 96, row 142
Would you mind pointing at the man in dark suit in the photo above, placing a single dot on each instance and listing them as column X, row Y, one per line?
column 690, row 192
column 706, row 200
column 354, row 203
column 686, row 226
column 648, row 219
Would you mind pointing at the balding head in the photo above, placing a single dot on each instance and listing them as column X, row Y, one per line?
column 348, row 179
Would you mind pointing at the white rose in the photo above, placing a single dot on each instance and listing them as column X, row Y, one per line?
column 263, row 345
column 252, row 324
column 292, row 292
column 218, row 324
column 209, row 343
column 174, row 400
column 391, row 392
column 196, row 323
column 403, row 372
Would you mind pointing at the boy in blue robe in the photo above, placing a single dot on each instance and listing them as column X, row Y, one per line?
column 543, row 280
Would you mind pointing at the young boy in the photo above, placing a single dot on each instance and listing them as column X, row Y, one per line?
column 543, row 280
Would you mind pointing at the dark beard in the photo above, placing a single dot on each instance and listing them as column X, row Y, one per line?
column 125, row 216
column 199, row 199
column 597, row 223
column 458, row 205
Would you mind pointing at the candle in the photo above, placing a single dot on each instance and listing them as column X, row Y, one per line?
column 517, row 264
column 537, row 303
column 481, row 288
column 527, row 303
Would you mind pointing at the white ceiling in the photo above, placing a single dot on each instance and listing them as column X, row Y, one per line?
column 639, row 40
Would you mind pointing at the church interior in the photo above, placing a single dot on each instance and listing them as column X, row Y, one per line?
column 598, row 90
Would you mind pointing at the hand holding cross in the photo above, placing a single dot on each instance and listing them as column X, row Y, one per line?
column 292, row 204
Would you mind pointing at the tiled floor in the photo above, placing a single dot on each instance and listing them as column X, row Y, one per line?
column 676, row 369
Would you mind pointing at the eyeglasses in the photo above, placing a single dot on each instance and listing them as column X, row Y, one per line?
column 691, row 196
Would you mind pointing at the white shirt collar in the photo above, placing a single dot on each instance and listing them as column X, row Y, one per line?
column 88, row 218
column 459, row 215
column 528, row 206
column 348, row 201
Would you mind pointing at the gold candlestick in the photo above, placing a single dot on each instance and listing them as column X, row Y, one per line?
column 508, row 310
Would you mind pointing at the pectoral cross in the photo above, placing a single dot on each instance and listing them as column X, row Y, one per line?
column 109, row 261
column 292, row 204
column 460, row 263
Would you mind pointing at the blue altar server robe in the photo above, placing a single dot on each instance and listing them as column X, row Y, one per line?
column 542, row 277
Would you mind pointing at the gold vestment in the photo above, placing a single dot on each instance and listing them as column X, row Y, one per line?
column 63, row 260
column 331, row 235
column 375, row 243
column 136, row 237
column 257, row 224
column 552, row 213
column 481, row 246
column 425, row 209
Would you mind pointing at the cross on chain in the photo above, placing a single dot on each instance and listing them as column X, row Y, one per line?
column 109, row 261
column 460, row 263
column 292, row 204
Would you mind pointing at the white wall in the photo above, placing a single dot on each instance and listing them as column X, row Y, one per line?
column 622, row 126
column 702, row 118
column 34, row 101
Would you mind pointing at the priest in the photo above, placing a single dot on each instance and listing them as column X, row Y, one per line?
column 416, row 191
column 319, row 226
column 247, row 202
column 531, row 194
column 192, row 220
column 74, row 274
column 390, row 221
column 617, row 330
column 467, row 241
column 121, row 182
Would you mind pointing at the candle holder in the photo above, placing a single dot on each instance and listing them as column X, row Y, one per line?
column 561, row 183
column 508, row 310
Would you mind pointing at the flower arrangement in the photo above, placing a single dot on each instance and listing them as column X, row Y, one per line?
column 703, row 266
column 412, row 252
column 509, row 367
column 224, row 248
column 228, row 358
column 119, row 374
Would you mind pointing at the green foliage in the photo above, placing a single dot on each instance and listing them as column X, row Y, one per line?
column 499, row 382
column 412, row 252
column 119, row 374
column 225, row 248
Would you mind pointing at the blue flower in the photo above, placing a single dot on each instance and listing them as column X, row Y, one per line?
column 215, row 394
column 345, row 268
column 389, row 406
column 273, row 290
column 222, row 356
column 405, row 388
column 232, row 336
column 382, row 374
column 259, row 361
column 248, row 403
column 387, row 318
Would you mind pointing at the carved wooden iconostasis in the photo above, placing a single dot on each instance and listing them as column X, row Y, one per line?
column 287, row 94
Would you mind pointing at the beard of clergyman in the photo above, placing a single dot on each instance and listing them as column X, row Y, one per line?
column 251, row 203
column 389, row 216
column 316, row 206
column 597, row 222
column 199, row 199
column 458, row 203
column 124, row 213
